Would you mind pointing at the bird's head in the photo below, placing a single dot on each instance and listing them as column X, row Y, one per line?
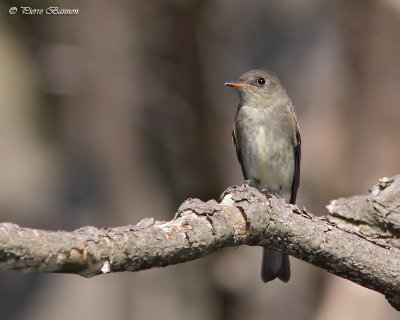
column 257, row 87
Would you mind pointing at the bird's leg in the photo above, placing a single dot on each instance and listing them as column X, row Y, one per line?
column 251, row 182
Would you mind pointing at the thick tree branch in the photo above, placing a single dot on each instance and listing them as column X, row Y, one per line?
column 360, row 245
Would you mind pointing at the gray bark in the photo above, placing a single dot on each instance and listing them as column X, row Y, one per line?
column 359, row 240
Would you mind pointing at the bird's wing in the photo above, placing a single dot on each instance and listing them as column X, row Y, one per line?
column 297, row 157
column 238, row 153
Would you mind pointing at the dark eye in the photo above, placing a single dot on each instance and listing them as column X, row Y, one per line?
column 261, row 81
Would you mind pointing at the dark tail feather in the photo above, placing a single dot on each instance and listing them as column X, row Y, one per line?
column 274, row 264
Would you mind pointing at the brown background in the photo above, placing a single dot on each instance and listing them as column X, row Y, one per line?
column 120, row 113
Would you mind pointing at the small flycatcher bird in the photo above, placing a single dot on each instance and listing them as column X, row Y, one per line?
column 267, row 140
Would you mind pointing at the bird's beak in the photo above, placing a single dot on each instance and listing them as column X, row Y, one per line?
column 236, row 84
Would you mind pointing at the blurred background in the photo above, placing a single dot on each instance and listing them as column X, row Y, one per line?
column 120, row 113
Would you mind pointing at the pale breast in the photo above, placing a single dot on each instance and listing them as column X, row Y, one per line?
column 267, row 149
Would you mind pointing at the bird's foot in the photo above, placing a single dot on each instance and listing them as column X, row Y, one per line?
column 266, row 193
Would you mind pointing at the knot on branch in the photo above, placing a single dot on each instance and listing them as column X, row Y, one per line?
column 376, row 215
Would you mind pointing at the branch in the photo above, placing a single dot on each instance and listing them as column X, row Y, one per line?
column 362, row 244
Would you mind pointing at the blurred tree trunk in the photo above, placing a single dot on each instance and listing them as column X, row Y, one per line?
column 369, row 33
column 177, row 115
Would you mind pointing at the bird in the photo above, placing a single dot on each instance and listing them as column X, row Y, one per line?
column 268, row 146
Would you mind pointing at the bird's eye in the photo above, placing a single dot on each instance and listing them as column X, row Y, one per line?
column 261, row 81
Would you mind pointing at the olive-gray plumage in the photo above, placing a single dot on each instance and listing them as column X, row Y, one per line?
column 267, row 140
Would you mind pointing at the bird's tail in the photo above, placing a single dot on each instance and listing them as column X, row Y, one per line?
column 275, row 264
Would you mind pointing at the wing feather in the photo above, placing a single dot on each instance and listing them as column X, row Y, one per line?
column 297, row 157
column 238, row 153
